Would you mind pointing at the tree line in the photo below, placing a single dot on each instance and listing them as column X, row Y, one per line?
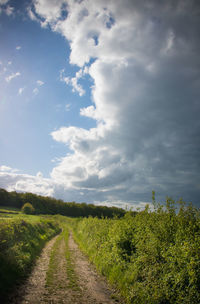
column 50, row 205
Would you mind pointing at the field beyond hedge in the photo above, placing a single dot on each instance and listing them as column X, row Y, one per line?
column 152, row 257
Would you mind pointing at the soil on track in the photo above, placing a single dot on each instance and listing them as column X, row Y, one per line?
column 34, row 288
column 92, row 288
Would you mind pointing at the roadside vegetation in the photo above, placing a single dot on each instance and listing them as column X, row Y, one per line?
column 21, row 239
column 152, row 256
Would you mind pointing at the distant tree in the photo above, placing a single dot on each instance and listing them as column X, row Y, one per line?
column 28, row 209
column 50, row 205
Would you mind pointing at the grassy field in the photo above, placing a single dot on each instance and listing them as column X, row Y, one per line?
column 21, row 239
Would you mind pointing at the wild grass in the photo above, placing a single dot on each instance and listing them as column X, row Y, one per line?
column 53, row 262
column 71, row 277
column 71, row 274
column 21, row 239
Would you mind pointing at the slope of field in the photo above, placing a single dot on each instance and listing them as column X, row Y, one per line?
column 21, row 240
column 152, row 257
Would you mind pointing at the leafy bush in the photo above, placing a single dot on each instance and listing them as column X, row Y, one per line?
column 28, row 209
column 152, row 257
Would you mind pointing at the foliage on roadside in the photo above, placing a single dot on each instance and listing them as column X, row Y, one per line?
column 21, row 240
column 153, row 257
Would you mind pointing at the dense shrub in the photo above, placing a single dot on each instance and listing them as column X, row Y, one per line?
column 28, row 209
column 153, row 257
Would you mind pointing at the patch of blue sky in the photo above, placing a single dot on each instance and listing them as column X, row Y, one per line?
column 64, row 12
column 96, row 39
column 27, row 118
column 110, row 22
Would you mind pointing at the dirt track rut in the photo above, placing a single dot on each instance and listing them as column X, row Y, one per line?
column 92, row 288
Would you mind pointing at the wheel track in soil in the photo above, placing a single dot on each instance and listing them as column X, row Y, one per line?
column 92, row 288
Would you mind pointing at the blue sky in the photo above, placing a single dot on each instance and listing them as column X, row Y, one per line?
column 99, row 100
column 29, row 117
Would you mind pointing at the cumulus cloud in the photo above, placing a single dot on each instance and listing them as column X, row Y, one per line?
column 12, row 76
column 49, row 10
column 13, row 181
column 89, row 112
column 73, row 81
column 40, row 83
column 143, row 58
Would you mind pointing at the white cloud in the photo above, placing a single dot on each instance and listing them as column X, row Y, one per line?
column 49, row 10
column 89, row 112
column 35, row 91
column 9, row 10
column 39, row 175
column 73, row 81
column 40, row 83
column 12, row 76
column 133, row 206
column 9, row 62
column 7, row 169
column 72, row 135
column 4, row 8
column 67, row 107
column 144, row 64
column 20, row 91
column 13, row 181
column 18, row 47
column 31, row 14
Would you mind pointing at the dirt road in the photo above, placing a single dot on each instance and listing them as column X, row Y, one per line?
column 63, row 274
